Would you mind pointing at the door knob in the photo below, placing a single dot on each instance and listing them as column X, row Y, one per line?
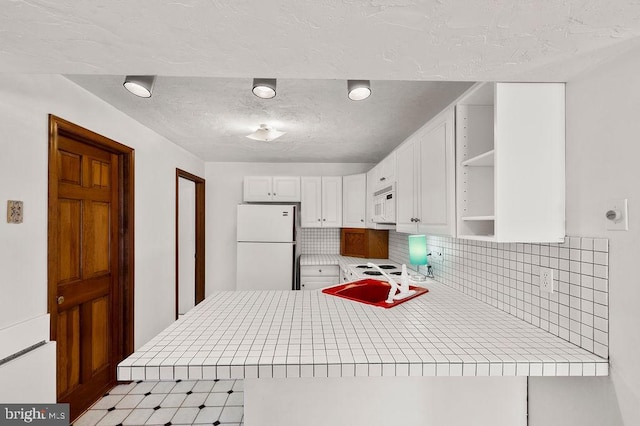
column 60, row 300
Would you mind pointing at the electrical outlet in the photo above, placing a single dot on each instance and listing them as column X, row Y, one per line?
column 546, row 280
column 617, row 215
column 437, row 256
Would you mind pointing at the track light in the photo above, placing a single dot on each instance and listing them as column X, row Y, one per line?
column 140, row 85
column 265, row 133
column 358, row 89
column 264, row 88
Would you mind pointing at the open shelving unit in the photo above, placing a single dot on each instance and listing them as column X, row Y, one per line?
column 510, row 162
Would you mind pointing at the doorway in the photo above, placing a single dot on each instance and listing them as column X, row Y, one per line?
column 190, row 252
column 90, row 260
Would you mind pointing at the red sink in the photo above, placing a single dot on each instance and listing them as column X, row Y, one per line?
column 370, row 291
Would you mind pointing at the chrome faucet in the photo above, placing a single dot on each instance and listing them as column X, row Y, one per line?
column 403, row 286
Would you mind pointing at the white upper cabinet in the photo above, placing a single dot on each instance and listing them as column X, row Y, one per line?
column 510, row 142
column 354, row 200
column 384, row 173
column 272, row 188
column 321, row 202
column 426, row 179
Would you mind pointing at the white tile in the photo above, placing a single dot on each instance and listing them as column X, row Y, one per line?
column 184, row 386
column 163, row 387
column 161, row 416
column 224, row 385
column 138, row 417
column 236, row 398
column 185, row 415
column 129, row 401
column 151, row 401
column 90, row 418
column 122, row 389
column 231, row 414
column 107, row 402
column 142, row 388
column 173, row 400
column 216, row 399
column 195, row 399
column 208, row 415
column 114, row 418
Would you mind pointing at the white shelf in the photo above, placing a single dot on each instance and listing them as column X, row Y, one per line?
column 478, row 218
column 482, row 160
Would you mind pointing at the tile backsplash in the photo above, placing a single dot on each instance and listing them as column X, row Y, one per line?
column 319, row 240
column 506, row 275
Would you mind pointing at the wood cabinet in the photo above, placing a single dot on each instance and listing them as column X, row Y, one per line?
column 321, row 201
column 366, row 243
column 354, row 200
column 316, row 277
column 271, row 188
column 426, row 179
column 510, row 141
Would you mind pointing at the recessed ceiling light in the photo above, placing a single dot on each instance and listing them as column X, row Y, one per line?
column 265, row 133
column 140, row 85
column 358, row 89
column 264, row 88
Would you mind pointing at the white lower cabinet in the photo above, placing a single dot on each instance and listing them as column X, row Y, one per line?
column 426, row 179
column 321, row 202
column 316, row 277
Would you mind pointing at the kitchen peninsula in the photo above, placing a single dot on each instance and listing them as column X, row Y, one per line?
column 306, row 344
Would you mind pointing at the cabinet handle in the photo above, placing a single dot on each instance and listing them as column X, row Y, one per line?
column 324, row 220
column 268, row 193
column 318, row 220
column 417, row 220
column 274, row 194
column 60, row 300
column 413, row 219
column 319, row 270
column 361, row 220
column 383, row 178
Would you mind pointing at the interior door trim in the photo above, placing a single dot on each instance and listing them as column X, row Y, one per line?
column 123, row 320
column 200, row 234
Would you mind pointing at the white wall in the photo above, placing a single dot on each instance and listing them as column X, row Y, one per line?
column 224, row 192
column 603, row 147
column 25, row 102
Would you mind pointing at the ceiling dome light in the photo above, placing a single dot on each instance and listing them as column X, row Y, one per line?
column 358, row 89
column 140, row 85
column 264, row 88
column 265, row 134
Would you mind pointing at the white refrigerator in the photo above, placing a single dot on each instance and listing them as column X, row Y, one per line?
column 266, row 247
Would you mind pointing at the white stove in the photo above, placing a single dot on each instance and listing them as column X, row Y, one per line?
column 361, row 270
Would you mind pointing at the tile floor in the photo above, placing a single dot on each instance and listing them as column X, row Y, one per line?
column 179, row 402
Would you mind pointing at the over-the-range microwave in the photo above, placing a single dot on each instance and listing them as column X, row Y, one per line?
column 384, row 205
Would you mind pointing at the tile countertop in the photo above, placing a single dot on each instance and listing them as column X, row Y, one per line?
column 254, row 334
column 336, row 259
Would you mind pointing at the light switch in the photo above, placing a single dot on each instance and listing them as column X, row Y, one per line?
column 14, row 211
column 617, row 215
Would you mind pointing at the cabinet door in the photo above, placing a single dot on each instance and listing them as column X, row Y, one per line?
column 316, row 283
column 257, row 188
column 286, row 188
column 369, row 199
column 354, row 201
column 407, row 188
column 388, row 170
column 332, row 201
column 437, row 174
column 311, row 202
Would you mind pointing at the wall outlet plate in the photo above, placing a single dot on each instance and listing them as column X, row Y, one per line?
column 436, row 257
column 617, row 215
column 14, row 211
column 546, row 280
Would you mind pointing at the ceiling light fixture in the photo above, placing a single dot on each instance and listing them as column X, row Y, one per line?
column 358, row 89
column 140, row 85
column 265, row 133
column 264, row 88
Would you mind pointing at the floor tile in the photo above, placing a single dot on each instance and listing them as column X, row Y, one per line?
column 174, row 400
column 184, row 386
column 161, row 416
column 236, row 399
column 231, row 414
column 114, row 418
column 151, row 401
column 238, row 385
column 90, row 418
column 185, row 415
column 216, row 399
column 208, row 415
column 195, row 400
column 122, row 389
column 138, row 417
column 163, row 387
column 130, row 401
column 223, row 386
column 142, row 388
column 107, row 402
column 203, row 386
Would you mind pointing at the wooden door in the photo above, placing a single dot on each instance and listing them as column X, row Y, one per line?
column 85, row 304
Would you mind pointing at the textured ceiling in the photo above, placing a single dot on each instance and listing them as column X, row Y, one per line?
column 292, row 40
column 211, row 116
